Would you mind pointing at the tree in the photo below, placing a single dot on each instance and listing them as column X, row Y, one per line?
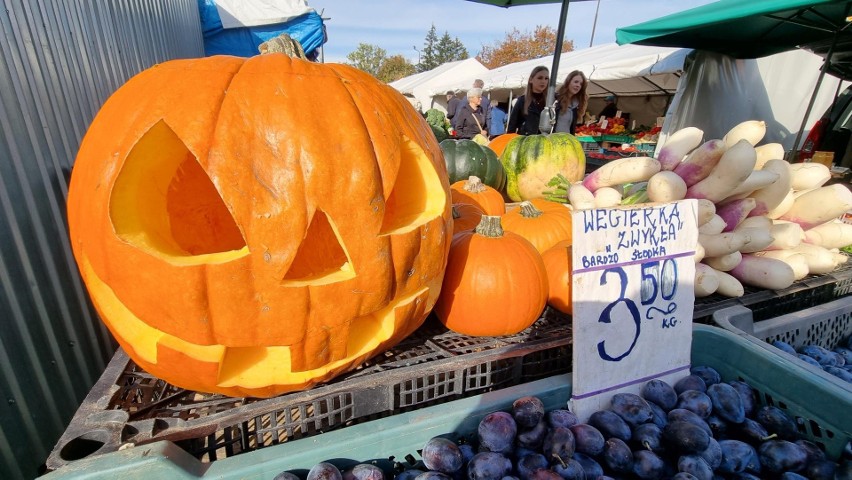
column 450, row 49
column 395, row 67
column 368, row 58
column 519, row 46
column 429, row 54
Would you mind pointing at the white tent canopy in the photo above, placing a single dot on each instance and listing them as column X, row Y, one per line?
column 420, row 85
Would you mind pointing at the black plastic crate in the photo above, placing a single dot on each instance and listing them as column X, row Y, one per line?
column 433, row 366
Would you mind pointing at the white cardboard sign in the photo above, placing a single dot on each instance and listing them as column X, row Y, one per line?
column 633, row 299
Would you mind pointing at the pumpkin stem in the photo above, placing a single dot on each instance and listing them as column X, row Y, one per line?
column 285, row 44
column 528, row 210
column 474, row 184
column 490, row 226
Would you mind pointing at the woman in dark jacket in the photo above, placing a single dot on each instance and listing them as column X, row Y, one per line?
column 527, row 111
column 471, row 119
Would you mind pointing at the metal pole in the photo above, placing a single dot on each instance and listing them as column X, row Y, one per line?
column 548, row 116
column 595, row 23
column 794, row 152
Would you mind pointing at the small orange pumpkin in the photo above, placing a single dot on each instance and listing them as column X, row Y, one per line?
column 498, row 144
column 474, row 191
column 495, row 282
column 466, row 217
column 542, row 222
column 557, row 263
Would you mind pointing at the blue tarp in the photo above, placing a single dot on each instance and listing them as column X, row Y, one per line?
column 308, row 29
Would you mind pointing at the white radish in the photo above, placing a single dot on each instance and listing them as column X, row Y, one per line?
column 839, row 258
column 751, row 131
column 834, row 234
column 699, row 253
column 782, row 207
column 729, row 286
column 735, row 212
column 805, row 176
column 722, row 243
column 820, row 205
column 755, row 222
column 820, row 260
column 607, row 197
column 580, row 197
column 772, row 195
column 678, row 145
column 732, row 170
column 698, row 164
column 666, row 186
column 706, row 280
column 713, row 226
column 797, row 261
column 758, row 239
column 725, row 262
column 786, row 236
column 623, row 170
column 756, row 180
column 706, row 210
column 763, row 272
column 766, row 152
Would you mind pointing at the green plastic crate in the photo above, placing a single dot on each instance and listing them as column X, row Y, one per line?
column 820, row 408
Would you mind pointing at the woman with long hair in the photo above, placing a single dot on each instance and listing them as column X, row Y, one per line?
column 573, row 100
column 527, row 111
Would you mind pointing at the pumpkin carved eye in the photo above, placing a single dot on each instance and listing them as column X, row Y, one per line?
column 417, row 196
column 188, row 225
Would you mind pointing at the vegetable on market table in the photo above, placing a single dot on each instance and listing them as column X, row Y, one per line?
column 698, row 164
column 557, row 263
column 466, row 216
column 722, row 243
column 607, row 197
column 677, row 146
column 766, row 152
column 756, row 180
column 785, row 235
column 531, row 161
column 808, row 175
column 764, row 272
column 735, row 211
column 797, row 261
column 820, row 205
column 542, row 222
column 733, row 168
column 725, row 262
column 465, row 158
column 782, row 207
column 833, row 234
column 759, row 238
column 770, row 196
column 756, row 222
column 714, row 226
column 699, row 253
column 475, row 192
column 820, row 260
column 706, row 280
column 729, row 286
column 666, row 186
column 580, row 197
column 706, row 210
column 751, row 131
column 621, row 171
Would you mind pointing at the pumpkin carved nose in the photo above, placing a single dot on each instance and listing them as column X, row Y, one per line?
column 190, row 223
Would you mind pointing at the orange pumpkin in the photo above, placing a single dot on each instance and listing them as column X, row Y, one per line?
column 495, row 283
column 542, row 222
column 477, row 193
column 466, row 217
column 233, row 243
column 557, row 263
column 498, row 144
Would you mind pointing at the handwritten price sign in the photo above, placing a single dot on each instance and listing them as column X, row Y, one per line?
column 633, row 276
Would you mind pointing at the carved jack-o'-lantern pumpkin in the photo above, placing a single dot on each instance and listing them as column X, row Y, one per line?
column 255, row 226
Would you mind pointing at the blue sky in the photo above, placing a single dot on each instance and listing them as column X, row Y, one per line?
column 399, row 25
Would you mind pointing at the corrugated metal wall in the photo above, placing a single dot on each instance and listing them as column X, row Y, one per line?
column 59, row 61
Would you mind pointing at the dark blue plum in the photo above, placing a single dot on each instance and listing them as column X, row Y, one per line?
column 684, row 476
column 752, row 432
column 747, row 395
column 430, row 475
column 409, row 474
column 530, row 463
column 532, row 438
column 813, row 451
column 821, row 355
column 467, row 452
column 686, row 437
column 647, row 465
column 442, row 455
column 713, row 454
column 718, row 426
column 561, row 418
column 708, row 374
column 839, row 373
column 632, row 408
column 528, row 411
column 791, row 476
column 559, row 443
column 660, row 393
column 569, row 469
column 617, row 456
column 497, row 432
column 286, row 476
column 784, row 347
column 488, row 466
column 544, row 474
column 809, row 360
column 591, row 467
column 324, row 471
column 727, row 402
column 610, row 425
column 690, row 382
column 684, row 415
column 648, row 436
column 845, row 353
column 588, row 439
column 696, row 402
column 364, row 471
column 782, row 456
column 821, row 470
column 777, row 421
column 737, row 457
column 696, row 466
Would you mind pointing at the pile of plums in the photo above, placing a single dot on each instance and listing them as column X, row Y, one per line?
column 699, row 428
column 837, row 362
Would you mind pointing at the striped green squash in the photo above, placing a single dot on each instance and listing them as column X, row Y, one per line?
column 466, row 157
column 530, row 161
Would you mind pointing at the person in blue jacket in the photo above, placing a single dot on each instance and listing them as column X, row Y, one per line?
column 497, row 122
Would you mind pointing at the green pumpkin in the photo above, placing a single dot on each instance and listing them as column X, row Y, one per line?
column 465, row 158
column 530, row 161
column 440, row 133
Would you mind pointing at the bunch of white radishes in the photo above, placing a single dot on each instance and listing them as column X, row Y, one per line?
column 762, row 221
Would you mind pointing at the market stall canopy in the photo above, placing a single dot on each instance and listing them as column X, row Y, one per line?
column 420, row 85
column 754, row 28
column 627, row 70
